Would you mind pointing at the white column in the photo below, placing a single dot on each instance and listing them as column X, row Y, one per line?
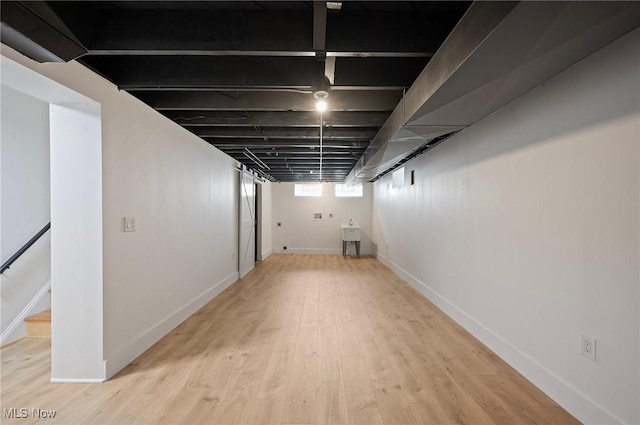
column 76, row 244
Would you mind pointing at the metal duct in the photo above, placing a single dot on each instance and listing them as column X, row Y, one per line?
column 26, row 27
column 497, row 52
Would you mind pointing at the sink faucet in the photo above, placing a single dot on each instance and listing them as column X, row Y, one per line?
column 350, row 222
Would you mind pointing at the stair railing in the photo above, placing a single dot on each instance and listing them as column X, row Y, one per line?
column 24, row 248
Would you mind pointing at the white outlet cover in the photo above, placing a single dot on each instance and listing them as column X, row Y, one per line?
column 588, row 347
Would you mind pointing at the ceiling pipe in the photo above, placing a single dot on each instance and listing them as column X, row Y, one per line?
column 255, row 159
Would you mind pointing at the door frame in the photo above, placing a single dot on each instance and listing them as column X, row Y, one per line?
column 247, row 252
column 258, row 226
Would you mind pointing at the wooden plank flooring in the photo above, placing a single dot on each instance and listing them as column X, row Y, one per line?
column 302, row 339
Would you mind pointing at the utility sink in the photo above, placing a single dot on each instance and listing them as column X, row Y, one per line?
column 351, row 233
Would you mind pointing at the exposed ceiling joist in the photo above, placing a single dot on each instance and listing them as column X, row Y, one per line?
column 138, row 72
column 310, row 159
column 271, row 31
column 296, row 133
column 337, row 164
column 277, row 147
column 217, row 30
column 296, row 154
column 330, row 69
column 320, row 28
column 276, row 53
column 241, row 75
column 277, row 119
column 308, row 153
column 356, row 101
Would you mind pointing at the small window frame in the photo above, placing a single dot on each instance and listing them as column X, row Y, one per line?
column 397, row 178
column 349, row 191
column 309, row 190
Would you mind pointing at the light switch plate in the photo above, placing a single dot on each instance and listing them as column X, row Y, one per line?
column 129, row 224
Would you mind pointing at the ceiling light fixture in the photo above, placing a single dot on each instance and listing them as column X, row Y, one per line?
column 321, row 96
column 334, row 5
column 321, row 125
column 321, row 106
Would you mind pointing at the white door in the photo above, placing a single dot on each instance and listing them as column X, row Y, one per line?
column 258, row 228
column 247, row 244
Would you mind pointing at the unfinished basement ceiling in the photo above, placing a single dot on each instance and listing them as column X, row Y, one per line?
column 241, row 75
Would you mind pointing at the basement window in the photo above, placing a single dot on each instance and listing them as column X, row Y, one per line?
column 397, row 178
column 314, row 190
column 346, row 191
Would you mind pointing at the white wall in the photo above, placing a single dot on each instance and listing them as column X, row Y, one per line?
column 25, row 169
column 24, row 203
column 183, row 193
column 76, row 244
column 76, row 234
column 301, row 234
column 524, row 228
column 266, row 211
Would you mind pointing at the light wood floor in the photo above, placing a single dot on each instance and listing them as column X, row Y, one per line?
column 302, row 339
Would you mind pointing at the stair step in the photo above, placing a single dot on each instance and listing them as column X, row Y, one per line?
column 43, row 316
column 39, row 324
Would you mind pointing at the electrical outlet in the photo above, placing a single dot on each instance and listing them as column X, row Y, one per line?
column 588, row 347
column 233, row 256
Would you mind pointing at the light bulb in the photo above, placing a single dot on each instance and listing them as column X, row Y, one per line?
column 321, row 105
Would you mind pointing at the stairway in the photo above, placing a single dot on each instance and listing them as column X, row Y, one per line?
column 39, row 324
